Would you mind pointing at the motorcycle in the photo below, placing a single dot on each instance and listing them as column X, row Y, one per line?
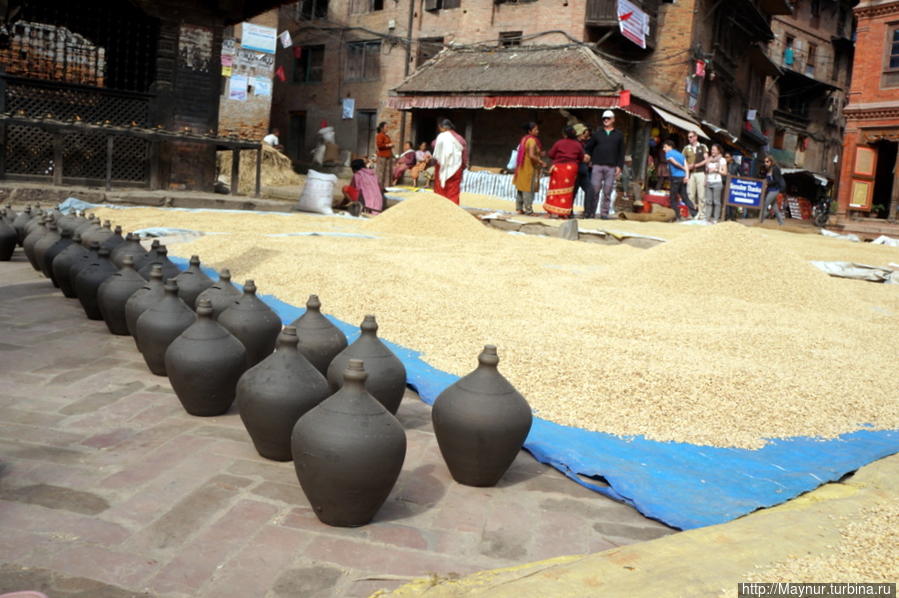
column 821, row 211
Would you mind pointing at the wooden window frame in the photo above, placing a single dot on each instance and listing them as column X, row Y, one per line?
column 308, row 68
column 367, row 47
column 892, row 28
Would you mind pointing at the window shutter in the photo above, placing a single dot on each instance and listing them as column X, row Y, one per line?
column 430, row 4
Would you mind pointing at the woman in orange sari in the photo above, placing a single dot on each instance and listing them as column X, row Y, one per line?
column 566, row 155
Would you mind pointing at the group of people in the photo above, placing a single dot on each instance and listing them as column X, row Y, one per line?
column 697, row 175
column 580, row 160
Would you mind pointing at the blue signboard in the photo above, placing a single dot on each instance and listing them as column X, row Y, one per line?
column 744, row 192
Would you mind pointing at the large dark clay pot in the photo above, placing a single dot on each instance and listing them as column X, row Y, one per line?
column 192, row 282
column 87, row 225
column 320, row 340
column 131, row 247
column 221, row 294
column 142, row 299
column 253, row 323
column 204, row 364
column 62, row 265
column 19, row 223
column 348, row 452
column 34, row 235
column 36, row 221
column 89, row 279
column 8, row 241
column 44, row 243
column 169, row 269
column 113, row 241
column 161, row 324
column 275, row 393
column 98, row 234
column 386, row 373
column 53, row 251
column 114, row 293
column 481, row 422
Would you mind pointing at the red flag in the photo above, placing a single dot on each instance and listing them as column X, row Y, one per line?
column 279, row 72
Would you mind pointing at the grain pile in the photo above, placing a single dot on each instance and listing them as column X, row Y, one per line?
column 277, row 169
column 428, row 214
column 608, row 338
column 868, row 551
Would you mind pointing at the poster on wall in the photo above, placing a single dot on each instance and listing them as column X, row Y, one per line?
column 258, row 38
column 262, row 86
column 237, row 88
column 195, row 48
column 348, row 108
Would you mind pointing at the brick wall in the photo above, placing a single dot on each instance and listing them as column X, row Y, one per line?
column 678, row 31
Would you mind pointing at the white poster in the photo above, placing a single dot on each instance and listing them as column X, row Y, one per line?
column 237, row 88
column 348, row 108
column 258, row 38
column 633, row 22
column 262, row 86
column 286, row 40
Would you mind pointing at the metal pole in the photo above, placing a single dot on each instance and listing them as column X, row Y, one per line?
column 109, row 150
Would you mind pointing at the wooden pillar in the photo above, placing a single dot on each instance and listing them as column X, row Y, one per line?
column 57, row 158
column 469, row 128
column 640, row 153
column 258, row 171
column 109, row 150
column 235, row 170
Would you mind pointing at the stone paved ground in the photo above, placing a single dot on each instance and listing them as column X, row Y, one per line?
column 109, row 489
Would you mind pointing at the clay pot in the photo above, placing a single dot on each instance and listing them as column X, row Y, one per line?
column 320, row 340
column 114, row 293
column 35, row 222
column 481, row 423
column 62, row 265
column 34, row 235
column 53, row 251
column 204, row 364
column 113, row 240
column 87, row 227
column 99, row 233
column 89, row 279
column 131, row 247
column 161, row 324
column 253, row 323
column 69, row 222
column 169, row 269
column 221, row 294
column 275, row 393
column 348, row 452
column 44, row 243
column 386, row 373
column 8, row 241
column 19, row 223
column 142, row 299
column 192, row 282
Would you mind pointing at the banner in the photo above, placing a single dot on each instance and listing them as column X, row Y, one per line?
column 258, row 38
column 633, row 22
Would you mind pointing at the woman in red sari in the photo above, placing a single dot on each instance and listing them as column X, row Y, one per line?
column 566, row 154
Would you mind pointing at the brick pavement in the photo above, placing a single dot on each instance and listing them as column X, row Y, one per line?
column 109, row 489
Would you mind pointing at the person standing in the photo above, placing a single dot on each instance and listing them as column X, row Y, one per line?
column 733, row 169
column 715, row 170
column 776, row 184
column 450, row 158
column 677, row 172
column 697, row 155
column 605, row 153
column 385, row 154
column 527, row 169
column 583, row 174
column 566, row 154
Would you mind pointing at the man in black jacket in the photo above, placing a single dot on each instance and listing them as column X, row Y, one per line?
column 605, row 152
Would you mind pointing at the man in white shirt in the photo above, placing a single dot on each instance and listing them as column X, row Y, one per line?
column 272, row 139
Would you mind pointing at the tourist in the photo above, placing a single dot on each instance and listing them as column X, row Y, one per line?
column 715, row 170
column 605, row 153
column 566, row 154
column 677, row 169
column 528, row 164
column 697, row 155
column 776, row 184
column 364, row 191
column 405, row 161
column 450, row 158
column 384, row 146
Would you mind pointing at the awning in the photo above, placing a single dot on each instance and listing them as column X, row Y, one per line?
column 681, row 123
column 489, row 102
column 820, row 179
column 722, row 132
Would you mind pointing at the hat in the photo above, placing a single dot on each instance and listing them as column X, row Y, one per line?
column 628, row 158
column 608, row 114
column 580, row 129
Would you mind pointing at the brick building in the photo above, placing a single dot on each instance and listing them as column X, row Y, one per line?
column 137, row 80
column 867, row 180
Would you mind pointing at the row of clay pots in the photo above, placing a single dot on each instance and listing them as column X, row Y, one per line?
column 325, row 404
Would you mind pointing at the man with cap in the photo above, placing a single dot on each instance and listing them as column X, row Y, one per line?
column 605, row 152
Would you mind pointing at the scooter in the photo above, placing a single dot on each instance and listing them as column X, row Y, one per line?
column 821, row 211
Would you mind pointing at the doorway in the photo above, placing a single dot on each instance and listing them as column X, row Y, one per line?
column 365, row 131
column 296, row 136
column 884, row 178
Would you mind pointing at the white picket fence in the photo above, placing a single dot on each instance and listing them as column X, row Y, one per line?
column 500, row 185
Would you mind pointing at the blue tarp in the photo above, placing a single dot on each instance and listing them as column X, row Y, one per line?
column 683, row 485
